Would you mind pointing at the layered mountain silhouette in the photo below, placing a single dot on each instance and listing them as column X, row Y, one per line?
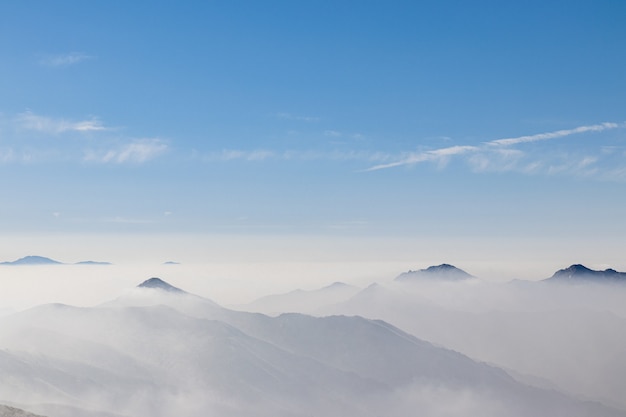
column 160, row 351
column 443, row 272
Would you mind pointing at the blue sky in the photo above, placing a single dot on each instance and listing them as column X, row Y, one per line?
column 415, row 119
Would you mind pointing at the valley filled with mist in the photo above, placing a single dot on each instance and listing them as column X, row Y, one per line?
column 436, row 341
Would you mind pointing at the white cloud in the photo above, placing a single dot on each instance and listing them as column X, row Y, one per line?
column 31, row 121
column 554, row 135
column 574, row 164
column 497, row 159
column 138, row 151
column 7, row 155
column 64, row 60
column 496, row 155
column 439, row 155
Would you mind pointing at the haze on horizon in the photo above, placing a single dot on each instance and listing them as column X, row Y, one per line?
column 494, row 124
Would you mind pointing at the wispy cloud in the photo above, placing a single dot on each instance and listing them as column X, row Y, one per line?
column 289, row 116
column 7, row 155
column 31, row 121
column 138, row 151
column 497, row 159
column 441, row 155
column 337, row 134
column 554, row 135
column 254, row 155
column 288, row 155
column 64, row 60
column 500, row 154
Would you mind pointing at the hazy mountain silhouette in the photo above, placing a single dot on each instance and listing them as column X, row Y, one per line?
column 443, row 272
column 32, row 260
column 93, row 263
column 159, row 351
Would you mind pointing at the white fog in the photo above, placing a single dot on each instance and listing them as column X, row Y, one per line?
column 88, row 342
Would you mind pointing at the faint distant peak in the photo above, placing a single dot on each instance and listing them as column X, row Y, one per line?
column 93, row 263
column 338, row 285
column 443, row 272
column 158, row 283
column 171, row 263
column 580, row 273
column 32, row 260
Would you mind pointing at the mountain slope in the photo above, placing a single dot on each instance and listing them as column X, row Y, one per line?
column 560, row 337
column 158, row 352
column 6, row 411
column 302, row 301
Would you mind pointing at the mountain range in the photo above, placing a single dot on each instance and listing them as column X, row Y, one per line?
column 437, row 273
column 158, row 351
column 42, row 260
column 569, row 336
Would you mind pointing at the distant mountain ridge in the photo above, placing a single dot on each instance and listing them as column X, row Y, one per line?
column 581, row 274
column 32, row 260
column 92, row 263
column 303, row 300
column 42, row 260
column 443, row 272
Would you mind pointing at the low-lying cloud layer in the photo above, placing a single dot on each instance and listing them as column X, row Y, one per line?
column 158, row 351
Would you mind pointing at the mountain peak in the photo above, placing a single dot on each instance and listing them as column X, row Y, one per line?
column 580, row 273
column 577, row 269
column 32, row 260
column 158, row 283
column 443, row 272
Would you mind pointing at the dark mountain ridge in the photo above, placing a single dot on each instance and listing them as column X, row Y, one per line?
column 581, row 274
column 158, row 283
